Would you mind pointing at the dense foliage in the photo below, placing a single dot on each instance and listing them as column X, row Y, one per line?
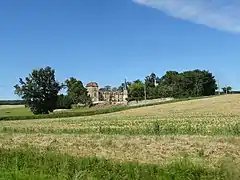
column 136, row 91
column 227, row 89
column 64, row 102
column 77, row 92
column 174, row 84
column 39, row 90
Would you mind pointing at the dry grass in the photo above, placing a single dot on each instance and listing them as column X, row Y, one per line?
column 129, row 125
column 213, row 116
column 143, row 149
column 219, row 105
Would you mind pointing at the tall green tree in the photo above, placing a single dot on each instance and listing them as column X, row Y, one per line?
column 77, row 92
column 227, row 89
column 64, row 102
column 209, row 84
column 39, row 90
column 151, row 82
column 136, row 91
column 169, row 84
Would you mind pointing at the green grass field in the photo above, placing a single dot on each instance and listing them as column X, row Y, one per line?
column 197, row 139
column 20, row 110
column 14, row 111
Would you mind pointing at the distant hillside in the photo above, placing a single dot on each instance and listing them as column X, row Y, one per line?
column 213, row 106
column 11, row 102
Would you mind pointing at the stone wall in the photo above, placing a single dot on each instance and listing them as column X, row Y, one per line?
column 150, row 101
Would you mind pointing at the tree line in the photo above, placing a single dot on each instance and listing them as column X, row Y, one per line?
column 40, row 91
column 173, row 84
column 11, row 102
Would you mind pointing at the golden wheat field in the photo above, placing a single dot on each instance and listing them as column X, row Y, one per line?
column 204, row 130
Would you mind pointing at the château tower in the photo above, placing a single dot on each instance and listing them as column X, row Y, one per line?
column 92, row 89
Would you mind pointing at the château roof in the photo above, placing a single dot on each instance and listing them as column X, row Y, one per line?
column 92, row 84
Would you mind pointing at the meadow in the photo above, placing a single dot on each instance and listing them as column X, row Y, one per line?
column 20, row 112
column 197, row 139
column 14, row 110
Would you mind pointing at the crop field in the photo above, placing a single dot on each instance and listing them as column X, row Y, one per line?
column 196, row 139
column 22, row 111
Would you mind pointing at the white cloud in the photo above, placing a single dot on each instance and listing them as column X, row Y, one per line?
column 218, row 14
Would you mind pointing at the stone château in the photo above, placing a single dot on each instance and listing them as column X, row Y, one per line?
column 99, row 95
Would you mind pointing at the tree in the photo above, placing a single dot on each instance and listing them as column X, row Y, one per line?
column 227, row 89
column 163, row 91
column 77, row 92
column 177, row 85
column 107, row 88
column 114, row 89
column 138, row 81
column 64, row 102
column 170, row 85
column 39, row 90
column 151, row 83
column 209, row 83
column 189, row 83
column 136, row 91
column 122, row 86
column 151, row 80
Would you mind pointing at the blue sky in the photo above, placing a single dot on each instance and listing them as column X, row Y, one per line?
column 109, row 40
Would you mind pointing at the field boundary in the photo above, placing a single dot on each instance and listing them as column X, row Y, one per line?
column 95, row 112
